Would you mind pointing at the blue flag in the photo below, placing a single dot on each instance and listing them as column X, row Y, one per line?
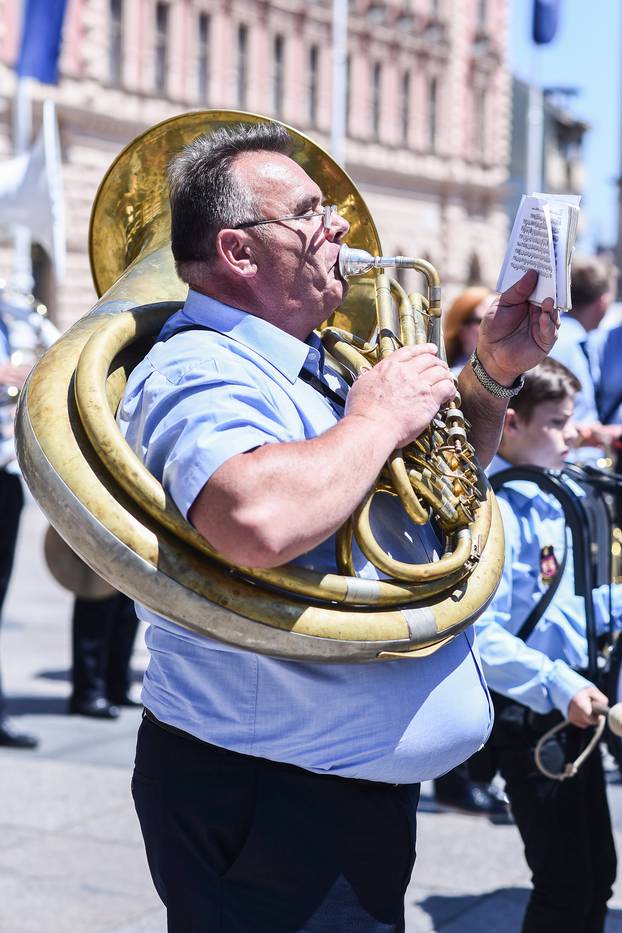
column 545, row 19
column 42, row 29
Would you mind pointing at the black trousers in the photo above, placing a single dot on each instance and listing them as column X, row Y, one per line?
column 11, row 504
column 238, row 844
column 103, row 633
column 565, row 826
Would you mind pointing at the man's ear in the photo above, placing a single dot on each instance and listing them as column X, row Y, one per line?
column 511, row 422
column 235, row 250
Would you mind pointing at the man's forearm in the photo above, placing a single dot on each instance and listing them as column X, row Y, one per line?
column 485, row 412
column 270, row 505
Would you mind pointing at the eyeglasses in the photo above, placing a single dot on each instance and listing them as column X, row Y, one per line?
column 326, row 213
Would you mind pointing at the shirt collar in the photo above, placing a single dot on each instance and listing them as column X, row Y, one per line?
column 497, row 464
column 530, row 491
column 282, row 350
column 573, row 327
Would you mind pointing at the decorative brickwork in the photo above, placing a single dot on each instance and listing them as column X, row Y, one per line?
column 428, row 119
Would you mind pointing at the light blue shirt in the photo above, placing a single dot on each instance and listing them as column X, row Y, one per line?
column 538, row 673
column 574, row 350
column 607, row 346
column 197, row 399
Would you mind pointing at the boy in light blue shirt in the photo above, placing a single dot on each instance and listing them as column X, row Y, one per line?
column 565, row 826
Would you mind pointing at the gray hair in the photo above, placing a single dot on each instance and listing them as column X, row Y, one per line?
column 205, row 194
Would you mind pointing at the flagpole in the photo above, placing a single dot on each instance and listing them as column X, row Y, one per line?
column 22, row 280
column 339, row 80
column 535, row 128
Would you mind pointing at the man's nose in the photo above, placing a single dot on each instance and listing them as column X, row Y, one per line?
column 338, row 228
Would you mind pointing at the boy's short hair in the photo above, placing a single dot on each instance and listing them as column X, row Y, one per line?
column 591, row 277
column 549, row 381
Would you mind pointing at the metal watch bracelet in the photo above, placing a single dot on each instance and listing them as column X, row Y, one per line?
column 490, row 384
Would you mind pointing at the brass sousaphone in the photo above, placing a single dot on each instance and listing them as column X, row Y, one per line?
column 116, row 515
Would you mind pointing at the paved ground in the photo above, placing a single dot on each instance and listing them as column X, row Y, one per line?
column 71, row 857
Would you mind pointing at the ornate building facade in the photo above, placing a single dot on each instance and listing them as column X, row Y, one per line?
column 428, row 108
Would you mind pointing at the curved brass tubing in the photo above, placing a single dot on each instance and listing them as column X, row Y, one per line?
column 97, row 401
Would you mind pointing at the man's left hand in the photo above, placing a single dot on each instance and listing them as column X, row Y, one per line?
column 515, row 334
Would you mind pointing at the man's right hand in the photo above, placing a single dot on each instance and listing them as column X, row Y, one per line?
column 580, row 707
column 403, row 392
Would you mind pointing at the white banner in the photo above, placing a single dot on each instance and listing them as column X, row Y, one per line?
column 31, row 191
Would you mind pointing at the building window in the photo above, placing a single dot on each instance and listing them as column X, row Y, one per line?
column 478, row 129
column 482, row 15
column 203, row 57
column 278, row 77
column 348, row 91
column 474, row 275
column 376, row 97
column 432, row 112
column 115, row 41
column 241, row 80
column 161, row 47
column 314, row 57
column 405, row 108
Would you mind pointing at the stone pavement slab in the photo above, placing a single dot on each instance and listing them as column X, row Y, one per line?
column 72, row 858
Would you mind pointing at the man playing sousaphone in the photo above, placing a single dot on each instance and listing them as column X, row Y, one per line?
column 280, row 795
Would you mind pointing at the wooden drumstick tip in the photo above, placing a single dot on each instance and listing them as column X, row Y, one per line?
column 613, row 714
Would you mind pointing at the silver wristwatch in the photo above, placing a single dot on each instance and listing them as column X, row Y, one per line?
column 490, row 384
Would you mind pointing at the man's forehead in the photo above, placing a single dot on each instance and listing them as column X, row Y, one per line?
column 276, row 173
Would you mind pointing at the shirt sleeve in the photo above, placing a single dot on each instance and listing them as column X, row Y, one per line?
column 206, row 418
column 601, row 607
column 511, row 667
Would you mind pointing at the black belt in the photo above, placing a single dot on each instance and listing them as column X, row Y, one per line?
column 147, row 714
column 218, row 749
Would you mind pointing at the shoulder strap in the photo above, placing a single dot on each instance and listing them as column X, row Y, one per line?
column 544, row 602
column 321, row 387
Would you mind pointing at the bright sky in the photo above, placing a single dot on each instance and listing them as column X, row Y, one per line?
column 586, row 53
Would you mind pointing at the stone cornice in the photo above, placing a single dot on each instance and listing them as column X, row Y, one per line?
column 494, row 190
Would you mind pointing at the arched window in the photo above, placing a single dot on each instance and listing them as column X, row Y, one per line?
column 474, row 275
column 241, row 75
column 432, row 112
column 115, row 41
column 278, row 75
column 161, row 47
column 478, row 126
column 314, row 69
column 405, row 108
column 376, row 97
column 348, row 92
column 203, row 57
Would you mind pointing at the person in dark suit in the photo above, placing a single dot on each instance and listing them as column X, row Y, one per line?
column 103, row 633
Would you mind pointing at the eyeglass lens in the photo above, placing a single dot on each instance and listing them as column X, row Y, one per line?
column 329, row 210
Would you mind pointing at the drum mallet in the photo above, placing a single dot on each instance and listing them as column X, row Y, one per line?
column 611, row 716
